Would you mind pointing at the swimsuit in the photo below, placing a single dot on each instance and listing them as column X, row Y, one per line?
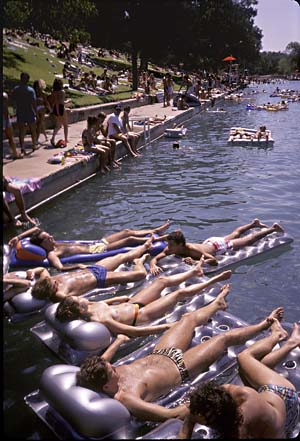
column 176, row 355
column 137, row 307
column 99, row 272
column 290, row 398
column 58, row 109
column 98, row 247
column 220, row 244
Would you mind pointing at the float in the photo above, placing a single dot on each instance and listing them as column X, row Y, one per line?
column 243, row 136
column 74, row 412
column 26, row 254
column 176, row 132
column 23, row 304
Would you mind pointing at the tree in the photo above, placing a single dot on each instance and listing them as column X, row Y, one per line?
column 16, row 13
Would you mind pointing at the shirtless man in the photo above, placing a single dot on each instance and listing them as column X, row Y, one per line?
column 55, row 250
column 99, row 275
column 121, row 313
column 211, row 246
column 267, row 407
column 138, row 384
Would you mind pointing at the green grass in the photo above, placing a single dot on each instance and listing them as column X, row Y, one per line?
column 39, row 62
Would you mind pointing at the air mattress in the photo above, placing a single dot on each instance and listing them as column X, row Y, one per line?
column 74, row 412
column 28, row 255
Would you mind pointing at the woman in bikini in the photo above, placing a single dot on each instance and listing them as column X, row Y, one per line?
column 57, row 101
column 42, row 105
column 121, row 314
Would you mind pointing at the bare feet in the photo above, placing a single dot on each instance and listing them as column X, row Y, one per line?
column 275, row 314
column 26, row 218
column 295, row 336
column 278, row 330
column 220, row 299
column 141, row 260
column 278, row 227
column 257, row 223
column 162, row 228
column 197, row 270
column 148, row 243
column 225, row 275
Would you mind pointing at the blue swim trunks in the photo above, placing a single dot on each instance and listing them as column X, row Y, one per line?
column 99, row 272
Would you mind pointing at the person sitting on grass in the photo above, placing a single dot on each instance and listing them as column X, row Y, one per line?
column 145, row 306
column 213, row 245
column 264, row 406
column 56, row 250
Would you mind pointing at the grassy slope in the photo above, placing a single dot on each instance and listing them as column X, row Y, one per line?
column 40, row 62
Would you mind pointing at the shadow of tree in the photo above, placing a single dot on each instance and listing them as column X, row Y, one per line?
column 12, row 60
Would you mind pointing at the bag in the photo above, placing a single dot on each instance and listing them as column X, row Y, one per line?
column 61, row 144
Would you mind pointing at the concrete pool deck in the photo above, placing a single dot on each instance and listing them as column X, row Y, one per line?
column 55, row 179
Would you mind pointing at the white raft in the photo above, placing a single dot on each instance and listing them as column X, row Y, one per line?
column 175, row 133
column 243, row 136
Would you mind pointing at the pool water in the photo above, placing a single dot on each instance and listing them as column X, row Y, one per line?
column 207, row 188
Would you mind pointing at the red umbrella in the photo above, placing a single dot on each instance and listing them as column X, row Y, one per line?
column 230, row 58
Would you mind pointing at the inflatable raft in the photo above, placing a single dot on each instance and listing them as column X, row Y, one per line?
column 175, row 133
column 26, row 254
column 24, row 305
column 74, row 412
column 73, row 341
column 242, row 136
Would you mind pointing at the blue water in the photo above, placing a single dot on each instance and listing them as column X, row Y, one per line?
column 206, row 188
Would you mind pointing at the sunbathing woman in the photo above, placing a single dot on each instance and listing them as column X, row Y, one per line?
column 122, row 314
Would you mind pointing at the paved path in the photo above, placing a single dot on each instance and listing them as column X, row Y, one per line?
column 35, row 165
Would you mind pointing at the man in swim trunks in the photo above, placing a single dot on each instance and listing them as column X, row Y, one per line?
column 138, row 384
column 122, row 314
column 56, row 250
column 213, row 245
column 100, row 275
column 267, row 407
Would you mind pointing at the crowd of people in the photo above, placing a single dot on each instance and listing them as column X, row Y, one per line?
column 264, row 405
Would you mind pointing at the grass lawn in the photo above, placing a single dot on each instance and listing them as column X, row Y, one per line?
column 40, row 62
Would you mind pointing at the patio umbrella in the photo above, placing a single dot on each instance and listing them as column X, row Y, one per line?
column 229, row 58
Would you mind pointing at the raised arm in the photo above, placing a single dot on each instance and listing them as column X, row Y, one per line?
column 112, row 349
column 14, row 240
column 134, row 331
column 150, row 411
